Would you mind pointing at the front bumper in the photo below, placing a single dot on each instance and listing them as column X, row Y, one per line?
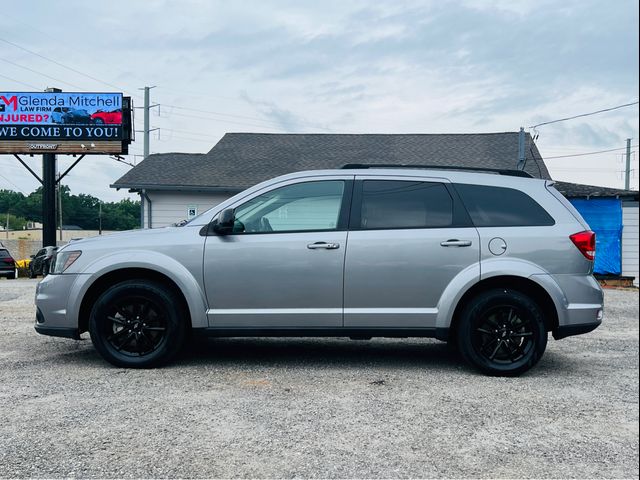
column 58, row 331
column 52, row 296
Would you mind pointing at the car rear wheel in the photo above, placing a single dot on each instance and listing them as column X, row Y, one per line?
column 501, row 332
column 137, row 324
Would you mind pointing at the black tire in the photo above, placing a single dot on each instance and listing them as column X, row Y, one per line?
column 13, row 276
column 502, row 333
column 31, row 274
column 137, row 324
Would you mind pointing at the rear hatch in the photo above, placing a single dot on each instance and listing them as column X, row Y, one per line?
column 6, row 260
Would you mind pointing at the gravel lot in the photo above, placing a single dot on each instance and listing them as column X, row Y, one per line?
column 316, row 407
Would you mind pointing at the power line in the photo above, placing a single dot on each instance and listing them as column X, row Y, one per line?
column 227, row 121
column 585, row 114
column 221, row 114
column 587, row 170
column 589, row 153
column 187, row 138
column 211, row 112
column 188, row 132
column 21, row 83
column 11, row 183
column 197, row 94
column 63, row 65
column 40, row 73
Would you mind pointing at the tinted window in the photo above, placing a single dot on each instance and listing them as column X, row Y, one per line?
column 502, row 207
column 4, row 254
column 299, row 207
column 400, row 204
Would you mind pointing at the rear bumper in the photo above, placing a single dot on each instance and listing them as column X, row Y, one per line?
column 579, row 302
column 570, row 330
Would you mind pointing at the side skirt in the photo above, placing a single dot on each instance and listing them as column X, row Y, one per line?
column 441, row 334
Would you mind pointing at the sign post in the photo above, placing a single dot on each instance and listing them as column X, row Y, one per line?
column 48, row 200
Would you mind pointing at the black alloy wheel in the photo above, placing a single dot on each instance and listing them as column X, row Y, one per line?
column 137, row 324
column 502, row 332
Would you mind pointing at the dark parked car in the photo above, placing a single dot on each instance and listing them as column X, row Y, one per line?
column 7, row 264
column 41, row 261
column 76, row 117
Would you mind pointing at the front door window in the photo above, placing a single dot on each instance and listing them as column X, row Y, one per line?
column 310, row 206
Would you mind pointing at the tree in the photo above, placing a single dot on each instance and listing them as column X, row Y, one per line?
column 82, row 210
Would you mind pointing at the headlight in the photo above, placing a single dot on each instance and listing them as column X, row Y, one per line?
column 63, row 260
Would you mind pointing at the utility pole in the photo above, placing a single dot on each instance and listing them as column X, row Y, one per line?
column 627, row 170
column 145, row 134
column 100, row 218
column 147, row 127
column 147, row 123
column 521, row 155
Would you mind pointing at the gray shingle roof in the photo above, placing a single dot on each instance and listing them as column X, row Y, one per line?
column 240, row 160
column 577, row 190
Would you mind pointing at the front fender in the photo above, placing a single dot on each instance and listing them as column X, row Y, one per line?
column 145, row 259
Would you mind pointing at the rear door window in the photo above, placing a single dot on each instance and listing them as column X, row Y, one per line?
column 390, row 204
column 491, row 206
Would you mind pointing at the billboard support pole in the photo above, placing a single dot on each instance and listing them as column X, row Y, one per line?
column 69, row 169
column 48, row 200
column 28, row 168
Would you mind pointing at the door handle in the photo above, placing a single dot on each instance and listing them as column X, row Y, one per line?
column 325, row 245
column 456, row 243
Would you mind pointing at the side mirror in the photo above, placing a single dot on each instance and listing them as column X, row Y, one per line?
column 224, row 224
column 32, row 256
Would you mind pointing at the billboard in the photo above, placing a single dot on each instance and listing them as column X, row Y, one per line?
column 63, row 121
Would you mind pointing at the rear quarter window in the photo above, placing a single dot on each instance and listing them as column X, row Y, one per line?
column 4, row 254
column 491, row 206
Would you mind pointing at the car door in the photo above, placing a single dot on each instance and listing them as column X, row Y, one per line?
column 408, row 239
column 282, row 267
column 37, row 260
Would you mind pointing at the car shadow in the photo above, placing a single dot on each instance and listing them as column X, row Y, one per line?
column 322, row 353
column 325, row 353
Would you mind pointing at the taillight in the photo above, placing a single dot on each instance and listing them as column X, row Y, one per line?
column 586, row 243
column 8, row 260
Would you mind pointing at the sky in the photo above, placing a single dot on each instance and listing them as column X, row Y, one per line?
column 295, row 66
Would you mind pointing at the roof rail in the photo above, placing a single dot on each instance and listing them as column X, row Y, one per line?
column 499, row 171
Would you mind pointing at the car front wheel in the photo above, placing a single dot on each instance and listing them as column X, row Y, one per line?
column 137, row 324
column 501, row 332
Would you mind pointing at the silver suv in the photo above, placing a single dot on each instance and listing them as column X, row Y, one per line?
column 490, row 262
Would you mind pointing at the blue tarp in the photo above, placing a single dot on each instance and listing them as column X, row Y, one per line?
column 604, row 216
